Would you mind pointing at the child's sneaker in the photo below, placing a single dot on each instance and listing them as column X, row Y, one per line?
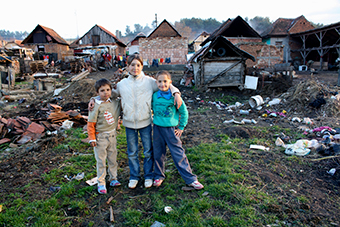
column 196, row 185
column 148, row 183
column 133, row 184
column 115, row 183
column 157, row 182
column 102, row 189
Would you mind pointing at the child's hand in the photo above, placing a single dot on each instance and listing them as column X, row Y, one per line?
column 178, row 101
column 91, row 105
column 178, row 132
column 93, row 144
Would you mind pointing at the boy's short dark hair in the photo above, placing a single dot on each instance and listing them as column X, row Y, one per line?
column 101, row 82
column 163, row 72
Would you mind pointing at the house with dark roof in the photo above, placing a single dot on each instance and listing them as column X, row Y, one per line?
column 281, row 30
column 220, row 64
column 99, row 36
column 133, row 45
column 243, row 36
column 164, row 43
column 195, row 45
column 235, row 30
column 46, row 41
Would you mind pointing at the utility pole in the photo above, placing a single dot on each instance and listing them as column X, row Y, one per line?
column 156, row 19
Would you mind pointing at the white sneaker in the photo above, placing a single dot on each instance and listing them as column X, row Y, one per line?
column 148, row 183
column 133, row 183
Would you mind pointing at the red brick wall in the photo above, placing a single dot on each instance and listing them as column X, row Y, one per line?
column 265, row 55
column 174, row 47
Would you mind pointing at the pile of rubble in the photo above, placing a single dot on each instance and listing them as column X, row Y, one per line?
column 21, row 130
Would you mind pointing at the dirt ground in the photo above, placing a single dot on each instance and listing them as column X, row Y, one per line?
column 205, row 123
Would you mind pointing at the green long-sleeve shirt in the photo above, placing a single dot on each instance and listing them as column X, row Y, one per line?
column 166, row 114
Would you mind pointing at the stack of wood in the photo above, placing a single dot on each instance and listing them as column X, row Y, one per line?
column 38, row 66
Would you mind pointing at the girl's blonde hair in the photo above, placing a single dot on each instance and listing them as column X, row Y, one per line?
column 164, row 72
column 133, row 57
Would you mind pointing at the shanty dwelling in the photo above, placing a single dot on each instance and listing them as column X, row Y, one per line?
column 319, row 48
column 195, row 45
column 133, row 45
column 24, row 55
column 99, row 36
column 47, row 42
column 220, row 64
column 164, row 45
column 279, row 33
column 242, row 35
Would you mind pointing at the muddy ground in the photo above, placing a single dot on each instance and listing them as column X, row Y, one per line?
column 272, row 172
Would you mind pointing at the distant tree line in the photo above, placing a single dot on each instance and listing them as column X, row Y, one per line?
column 187, row 27
column 9, row 36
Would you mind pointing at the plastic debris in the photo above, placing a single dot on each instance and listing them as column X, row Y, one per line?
column 167, row 209
column 259, row 147
column 275, row 101
column 67, row 124
column 157, row 224
column 296, row 119
column 279, row 142
column 92, row 181
column 331, row 171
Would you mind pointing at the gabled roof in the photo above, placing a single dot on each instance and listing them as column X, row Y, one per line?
column 220, row 39
column 204, row 33
column 139, row 35
column 164, row 29
column 76, row 42
column 233, row 28
column 55, row 36
column 283, row 27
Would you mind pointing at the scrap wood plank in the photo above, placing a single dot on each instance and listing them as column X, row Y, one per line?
column 4, row 140
column 224, row 71
column 79, row 76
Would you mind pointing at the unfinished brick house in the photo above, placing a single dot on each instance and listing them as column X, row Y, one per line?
column 279, row 33
column 99, row 36
column 46, row 41
column 164, row 43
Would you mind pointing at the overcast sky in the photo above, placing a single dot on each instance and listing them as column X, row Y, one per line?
column 71, row 18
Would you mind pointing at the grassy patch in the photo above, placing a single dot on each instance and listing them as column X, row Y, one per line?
column 226, row 199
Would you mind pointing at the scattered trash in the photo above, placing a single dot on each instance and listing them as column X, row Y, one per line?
column 259, row 147
column 275, row 101
column 53, row 189
column 167, row 209
column 78, row 177
column 255, row 101
column 279, row 142
column 331, row 171
column 245, row 112
column 307, row 121
column 92, row 181
column 157, row 224
column 296, row 119
column 67, row 124
column 292, row 190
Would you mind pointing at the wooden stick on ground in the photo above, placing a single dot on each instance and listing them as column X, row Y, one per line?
column 111, row 215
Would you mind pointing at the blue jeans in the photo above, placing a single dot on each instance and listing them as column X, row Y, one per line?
column 133, row 153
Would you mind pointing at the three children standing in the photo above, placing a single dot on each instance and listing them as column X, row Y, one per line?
column 136, row 93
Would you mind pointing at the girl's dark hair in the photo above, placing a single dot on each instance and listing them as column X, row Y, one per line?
column 101, row 82
column 133, row 57
column 163, row 72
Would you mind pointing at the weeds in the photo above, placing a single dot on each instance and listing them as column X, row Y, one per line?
column 226, row 200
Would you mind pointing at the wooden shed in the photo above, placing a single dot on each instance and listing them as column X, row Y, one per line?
column 220, row 64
